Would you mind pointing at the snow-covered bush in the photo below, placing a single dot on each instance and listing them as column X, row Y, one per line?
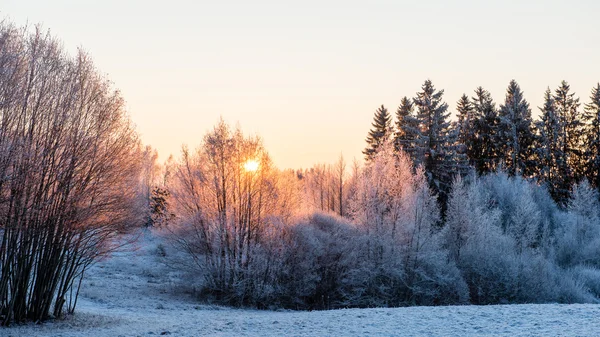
column 399, row 216
column 509, row 250
column 504, row 240
column 579, row 240
column 318, row 256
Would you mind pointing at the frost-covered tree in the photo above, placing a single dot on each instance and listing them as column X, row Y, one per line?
column 398, row 213
column 484, row 150
column 515, row 135
column 69, row 173
column 466, row 123
column 225, row 196
column 567, row 109
column 407, row 129
column 499, row 233
column 552, row 167
column 591, row 117
column 435, row 148
column 380, row 133
column 160, row 212
column 579, row 242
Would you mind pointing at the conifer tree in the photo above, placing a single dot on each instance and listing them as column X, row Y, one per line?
column 434, row 144
column 551, row 167
column 380, row 133
column 407, row 128
column 484, row 152
column 567, row 109
column 515, row 133
column 464, row 133
column 591, row 116
column 465, row 124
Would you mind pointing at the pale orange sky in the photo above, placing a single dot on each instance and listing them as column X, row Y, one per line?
column 307, row 76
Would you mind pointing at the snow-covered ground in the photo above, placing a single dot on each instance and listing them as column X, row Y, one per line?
column 135, row 293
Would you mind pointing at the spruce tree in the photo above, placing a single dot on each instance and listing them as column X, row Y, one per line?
column 515, row 135
column 552, row 169
column 465, row 124
column 591, row 116
column 567, row 109
column 407, row 128
column 434, row 144
column 484, row 152
column 464, row 130
column 380, row 133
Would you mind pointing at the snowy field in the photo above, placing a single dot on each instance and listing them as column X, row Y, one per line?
column 133, row 293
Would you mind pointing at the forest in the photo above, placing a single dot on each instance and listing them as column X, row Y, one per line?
column 488, row 206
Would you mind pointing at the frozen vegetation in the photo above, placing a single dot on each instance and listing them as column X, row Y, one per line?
column 134, row 293
column 492, row 209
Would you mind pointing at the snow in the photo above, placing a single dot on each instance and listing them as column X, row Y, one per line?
column 136, row 293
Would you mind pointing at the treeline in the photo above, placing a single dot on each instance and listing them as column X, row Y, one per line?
column 69, row 165
column 558, row 150
column 327, row 238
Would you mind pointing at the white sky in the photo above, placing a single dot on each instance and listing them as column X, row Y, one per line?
column 308, row 75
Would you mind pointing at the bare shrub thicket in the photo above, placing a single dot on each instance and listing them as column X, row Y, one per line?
column 226, row 196
column 68, row 159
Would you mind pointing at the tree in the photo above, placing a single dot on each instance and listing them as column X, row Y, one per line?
column 407, row 129
column 69, row 172
column 434, row 145
column 149, row 177
column 398, row 213
column 463, row 135
column 224, row 195
column 160, row 212
column 515, row 133
column 466, row 123
column 552, row 167
column 591, row 116
column 380, row 133
column 340, row 173
column 567, row 109
column 484, row 150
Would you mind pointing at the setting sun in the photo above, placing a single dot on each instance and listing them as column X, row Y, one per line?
column 251, row 165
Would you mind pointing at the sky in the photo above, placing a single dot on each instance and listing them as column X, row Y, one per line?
column 308, row 75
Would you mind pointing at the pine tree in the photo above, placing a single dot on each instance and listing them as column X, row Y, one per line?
column 515, row 133
column 407, row 128
column 483, row 151
column 567, row 109
column 551, row 167
column 591, row 116
column 380, row 133
column 434, row 144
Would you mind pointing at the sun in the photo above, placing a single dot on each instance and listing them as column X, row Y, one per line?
column 251, row 165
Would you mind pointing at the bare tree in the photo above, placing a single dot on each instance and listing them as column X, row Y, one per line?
column 224, row 195
column 68, row 154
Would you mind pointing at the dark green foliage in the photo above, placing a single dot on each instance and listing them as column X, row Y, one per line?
column 463, row 134
column 434, row 146
column 515, row 135
column 551, row 169
column 407, row 127
column 159, row 207
column 483, row 152
column 591, row 116
column 380, row 133
column 567, row 109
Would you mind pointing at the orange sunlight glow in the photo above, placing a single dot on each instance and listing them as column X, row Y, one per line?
column 251, row 165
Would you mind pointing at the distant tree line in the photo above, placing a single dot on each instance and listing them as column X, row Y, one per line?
column 558, row 150
column 374, row 235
